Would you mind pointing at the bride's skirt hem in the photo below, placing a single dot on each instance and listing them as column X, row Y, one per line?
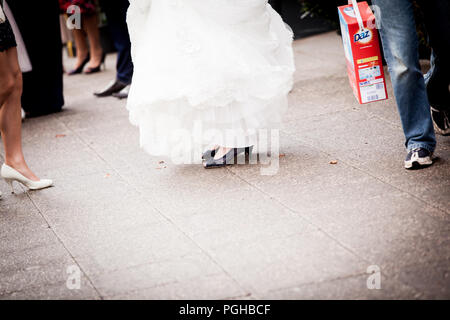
column 205, row 82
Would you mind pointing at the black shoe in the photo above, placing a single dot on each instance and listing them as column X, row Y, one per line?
column 97, row 68
column 122, row 94
column 80, row 67
column 418, row 158
column 209, row 154
column 113, row 87
column 227, row 159
column 441, row 121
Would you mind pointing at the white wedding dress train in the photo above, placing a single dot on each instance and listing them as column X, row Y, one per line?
column 207, row 72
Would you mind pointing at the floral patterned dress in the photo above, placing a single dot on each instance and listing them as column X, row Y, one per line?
column 86, row 6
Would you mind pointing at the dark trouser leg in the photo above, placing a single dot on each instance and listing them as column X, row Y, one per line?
column 276, row 4
column 116, row 11
column 437, row 20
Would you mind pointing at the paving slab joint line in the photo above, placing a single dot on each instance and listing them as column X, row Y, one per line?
column 255, row 187
column 326, row 233
column 140, row 265
column 319, row 282
column 25, row 289
column 241, row 296
column 394, row 124
column 128, row 292
column 324, row 113
column 321, row 115
column 385, row 277
column 334, row 77
column 64, row 246
column 373, row 176
column 167, row 283
column 204, row 251
column 305, row 218
column 318, row 227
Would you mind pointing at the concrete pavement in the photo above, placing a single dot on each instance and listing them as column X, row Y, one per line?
column 131, row 227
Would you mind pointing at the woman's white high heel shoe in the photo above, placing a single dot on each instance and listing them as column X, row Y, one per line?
column 10, row 175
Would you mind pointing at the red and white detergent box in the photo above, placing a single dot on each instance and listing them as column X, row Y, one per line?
column 362, row 51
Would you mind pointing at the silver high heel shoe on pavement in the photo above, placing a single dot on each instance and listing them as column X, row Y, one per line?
column 10, row 175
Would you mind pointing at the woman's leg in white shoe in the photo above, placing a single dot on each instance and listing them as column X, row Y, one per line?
column 10, row 113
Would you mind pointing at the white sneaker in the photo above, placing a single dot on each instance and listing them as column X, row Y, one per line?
column 418, row 158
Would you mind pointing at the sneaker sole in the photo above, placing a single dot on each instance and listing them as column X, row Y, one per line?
column 418, row 164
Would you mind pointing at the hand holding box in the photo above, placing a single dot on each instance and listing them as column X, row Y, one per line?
column 362, row 51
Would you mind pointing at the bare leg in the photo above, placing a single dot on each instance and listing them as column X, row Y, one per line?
column 80, row 43
column 221, row 152
column 90, row 24
column 10, row 117
column 6, row 80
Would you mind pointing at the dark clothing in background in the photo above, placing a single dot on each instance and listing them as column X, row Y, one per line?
column 43, row 86
column 86, row 6
column 116, row 14
column 276, row 4
column 7, row 39
column 437, row 22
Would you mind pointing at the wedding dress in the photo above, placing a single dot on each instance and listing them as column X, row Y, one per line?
column 207, row 72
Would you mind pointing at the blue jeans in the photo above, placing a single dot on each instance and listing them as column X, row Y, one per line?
column 401, row 44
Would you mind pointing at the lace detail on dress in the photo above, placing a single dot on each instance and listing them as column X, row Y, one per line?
column 185, row 35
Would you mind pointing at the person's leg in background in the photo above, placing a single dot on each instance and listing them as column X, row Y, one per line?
column 82, row 51
column 117, row 17
column 92, row 55
column 437, row 20
column 116, row 13
column 400, row 44
column 43, row 91
column 119, row 31
column 90, row 26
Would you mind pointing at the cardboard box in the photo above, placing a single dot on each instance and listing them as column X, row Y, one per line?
column 362, row 52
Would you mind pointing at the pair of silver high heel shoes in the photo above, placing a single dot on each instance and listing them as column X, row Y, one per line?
column 10, row 175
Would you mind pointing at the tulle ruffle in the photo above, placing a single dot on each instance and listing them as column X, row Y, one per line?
column 207, row 81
